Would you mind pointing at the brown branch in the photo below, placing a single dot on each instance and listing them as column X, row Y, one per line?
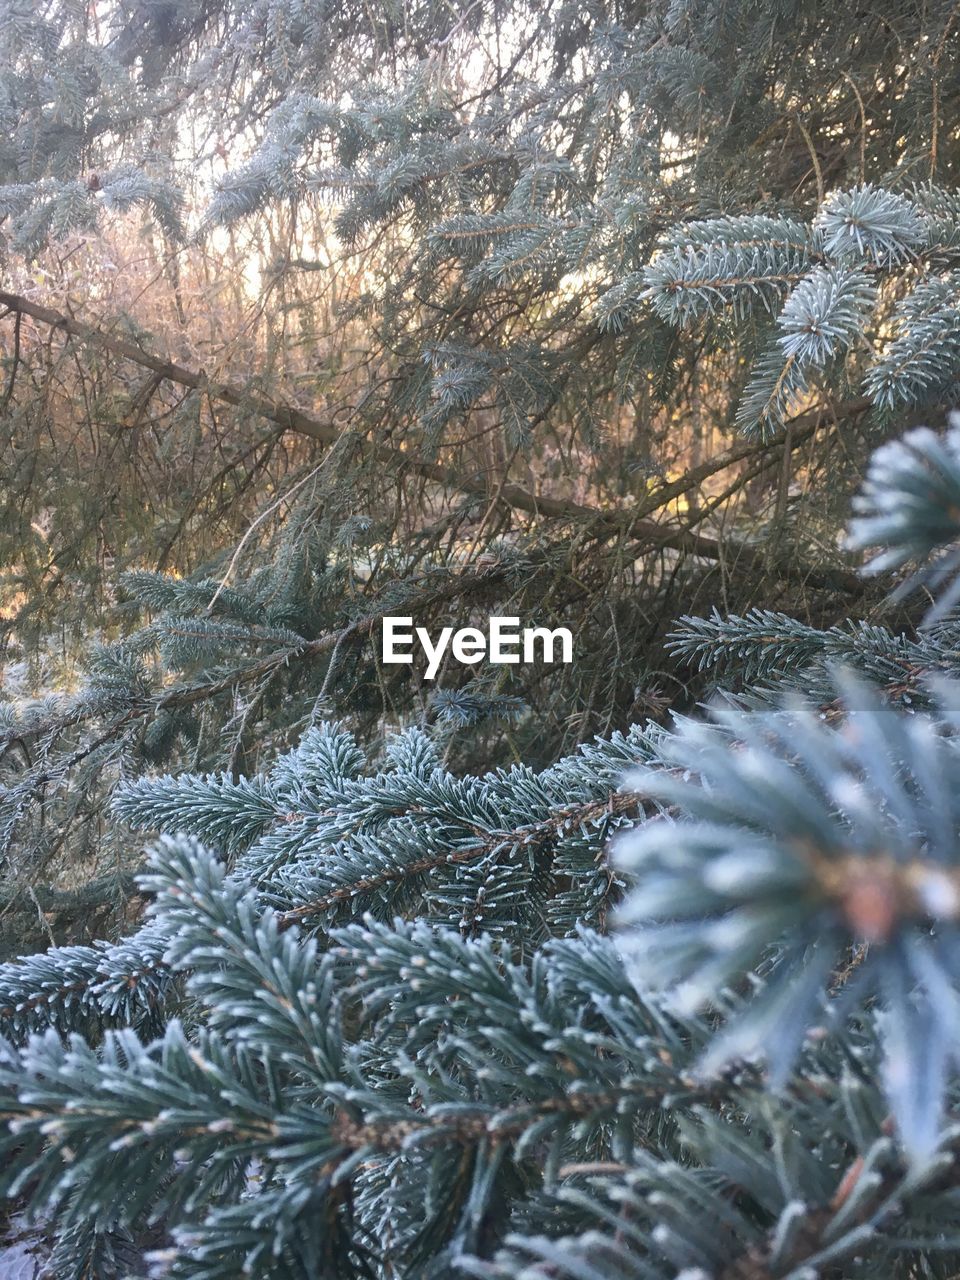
column 509, row 1123
column 282, row 414
column 632, row 523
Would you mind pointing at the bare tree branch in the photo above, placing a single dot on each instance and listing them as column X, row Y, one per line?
column 632, row 523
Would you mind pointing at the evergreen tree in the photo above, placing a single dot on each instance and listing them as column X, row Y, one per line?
column 636, row 292
column 373, row 1025
column 418, row 982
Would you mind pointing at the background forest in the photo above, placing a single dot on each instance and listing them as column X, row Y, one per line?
column 639, row 319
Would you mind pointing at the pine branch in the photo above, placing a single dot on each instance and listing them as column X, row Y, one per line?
column 270, row 1078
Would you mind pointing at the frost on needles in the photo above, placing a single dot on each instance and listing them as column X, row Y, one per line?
column 611, row 333
column 381, row 1005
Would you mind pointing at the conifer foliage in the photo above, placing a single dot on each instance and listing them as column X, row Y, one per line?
column 373, row 1020
column 654, row 328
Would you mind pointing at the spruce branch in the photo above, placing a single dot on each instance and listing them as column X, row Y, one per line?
column 869, row 222
column 767, row 652
column 324, row 841
column 269, row 1079
column 822, row 285
column 796, row 840
column 910, row 506
column 921, row 362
